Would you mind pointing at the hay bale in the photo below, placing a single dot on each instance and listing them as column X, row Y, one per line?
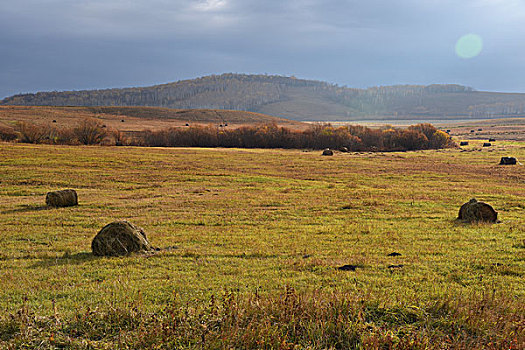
column 63, row 198
column 328, row 152
column 487, row 144
column 120, row 238
column 343, row 149
column 508, row 161
column 492, row 140
column 474, row 211
column 463, row 143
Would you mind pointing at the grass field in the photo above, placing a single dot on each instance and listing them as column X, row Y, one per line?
column 130, row 119
column 251, row 241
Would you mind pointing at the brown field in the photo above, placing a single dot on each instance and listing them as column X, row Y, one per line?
column 137, row 118
column 499, row 129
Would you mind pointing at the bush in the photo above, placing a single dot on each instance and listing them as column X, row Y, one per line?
column 90, row 132
column 7, row 133
column 33, row 133
column 119, row 138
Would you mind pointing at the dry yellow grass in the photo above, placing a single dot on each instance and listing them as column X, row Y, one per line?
column 136, row 118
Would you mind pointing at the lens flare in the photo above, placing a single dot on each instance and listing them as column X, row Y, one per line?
column 469, row 46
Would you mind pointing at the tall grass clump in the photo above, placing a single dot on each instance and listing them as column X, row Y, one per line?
column 287, row 320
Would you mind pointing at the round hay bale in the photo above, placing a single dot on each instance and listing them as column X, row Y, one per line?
column 492, row 140
column 473, row 211
column 487, row 144
column 328, row 152
column 508, row 161
column 463, row 143
column 63, row 198
column 120, row 238
column 343, row 149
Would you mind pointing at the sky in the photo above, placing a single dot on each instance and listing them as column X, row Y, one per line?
column 56, row 45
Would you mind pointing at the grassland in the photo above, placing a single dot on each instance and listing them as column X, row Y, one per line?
column 251, row 241
column 136, row 118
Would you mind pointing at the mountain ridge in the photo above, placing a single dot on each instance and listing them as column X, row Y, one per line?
column 296, row 99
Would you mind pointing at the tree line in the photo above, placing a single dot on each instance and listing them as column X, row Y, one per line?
column 316, row 136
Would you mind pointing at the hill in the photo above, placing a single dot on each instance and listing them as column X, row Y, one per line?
column 296, row 99
column 137, row 118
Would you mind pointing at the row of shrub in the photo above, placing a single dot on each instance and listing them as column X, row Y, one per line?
column 316, row 136
column 86, row 132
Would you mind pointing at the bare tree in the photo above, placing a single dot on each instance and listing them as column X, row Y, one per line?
column 90, row 132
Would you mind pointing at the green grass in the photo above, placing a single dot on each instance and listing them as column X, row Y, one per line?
column 252, row 223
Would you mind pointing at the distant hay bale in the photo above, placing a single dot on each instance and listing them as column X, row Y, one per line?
column 474, row 211
column 492, row 140
column 328, row 152
column 343, row 149
column 508, row 161
column 63, row 198
column 120, row 238
column 487, row 144
column 463, row 143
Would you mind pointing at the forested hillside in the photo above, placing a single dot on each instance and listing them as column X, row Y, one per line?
column 297, row 99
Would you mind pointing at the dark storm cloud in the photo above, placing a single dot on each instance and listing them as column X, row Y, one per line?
column 71, row 44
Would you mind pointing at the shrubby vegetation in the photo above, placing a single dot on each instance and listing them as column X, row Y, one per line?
column 289, row 320
column 317, row 136
column 7, row 133
column 87, row 132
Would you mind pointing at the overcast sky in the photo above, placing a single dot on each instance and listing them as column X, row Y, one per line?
column 78, row 44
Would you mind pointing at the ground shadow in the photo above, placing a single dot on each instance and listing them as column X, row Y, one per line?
column 25, row 208
column 65, row 259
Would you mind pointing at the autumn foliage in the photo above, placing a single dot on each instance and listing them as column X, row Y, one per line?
column 317, row 136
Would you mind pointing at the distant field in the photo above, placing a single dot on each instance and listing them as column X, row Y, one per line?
column 136, row 118
column 263, row 232
column 467, row 129
column 500, row 129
